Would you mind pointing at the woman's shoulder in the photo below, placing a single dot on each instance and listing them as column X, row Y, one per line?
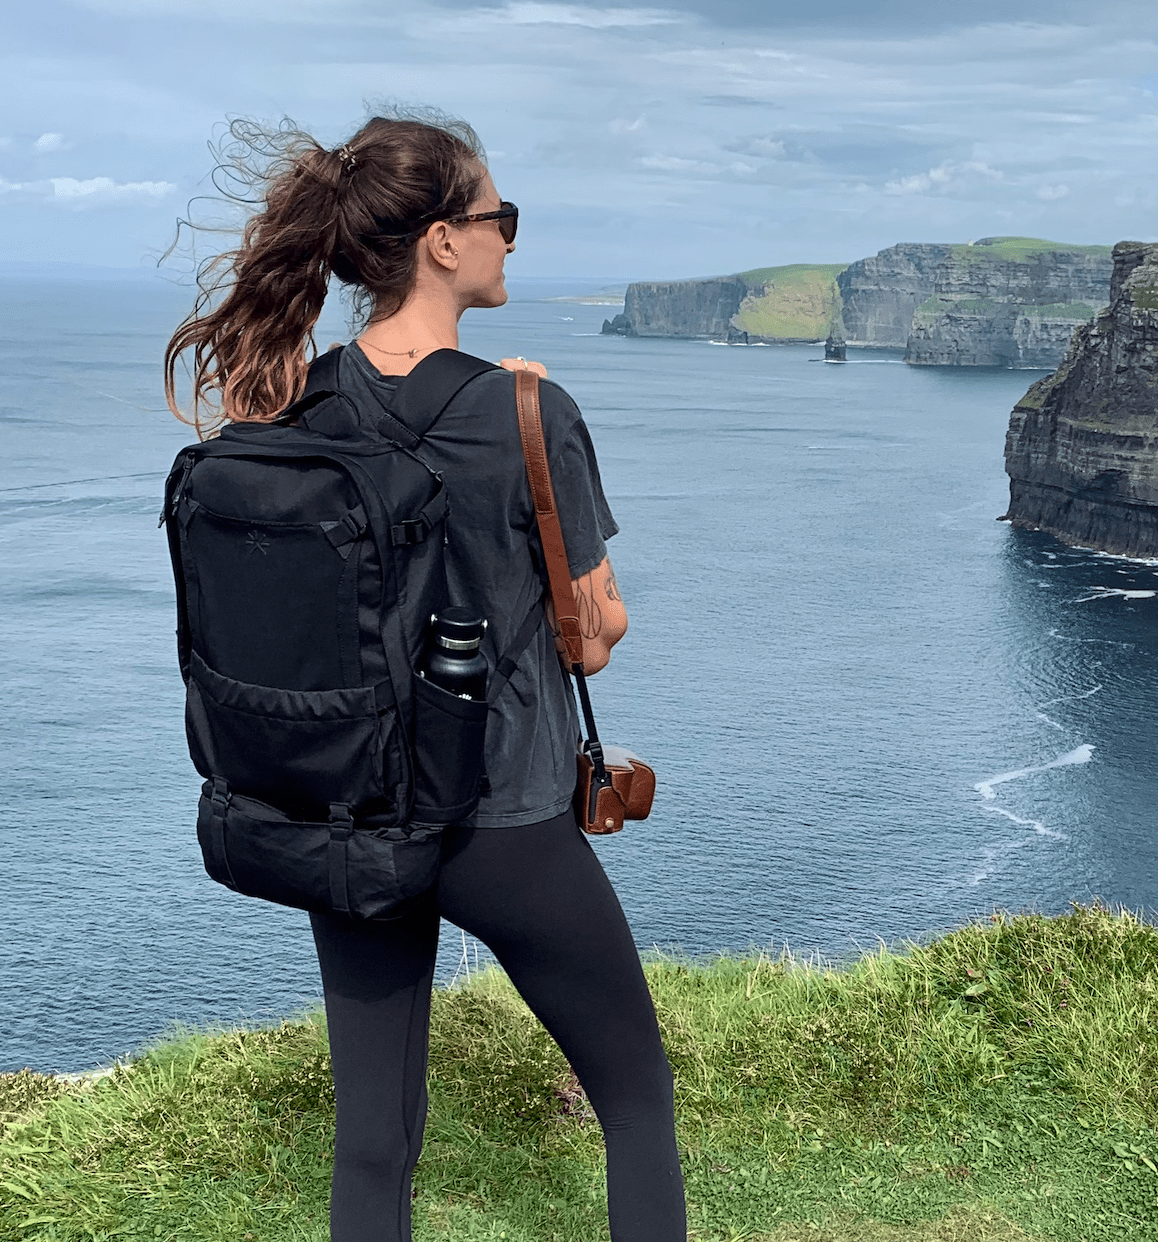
column 498, row 384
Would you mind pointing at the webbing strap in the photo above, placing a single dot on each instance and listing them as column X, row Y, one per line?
column 509, row 660
column 218, row 805
column 341, row 827
column 349, row 527
column 416, row 529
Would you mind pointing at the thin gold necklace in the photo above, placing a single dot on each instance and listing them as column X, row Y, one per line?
column 394, row 353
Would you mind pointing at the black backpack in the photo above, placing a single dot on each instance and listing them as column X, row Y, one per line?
column 308, row 559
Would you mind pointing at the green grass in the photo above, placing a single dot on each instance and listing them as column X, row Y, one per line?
column 1020, row 249
column 1145, row 297
column 800, row 304
column 997, row 1084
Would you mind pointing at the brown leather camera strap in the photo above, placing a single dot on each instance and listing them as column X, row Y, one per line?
column 558, row 571
column 547, row 515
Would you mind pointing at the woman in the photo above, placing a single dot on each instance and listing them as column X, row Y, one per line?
column 406, row 213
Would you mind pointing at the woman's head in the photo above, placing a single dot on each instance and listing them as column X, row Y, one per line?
column 362, row 213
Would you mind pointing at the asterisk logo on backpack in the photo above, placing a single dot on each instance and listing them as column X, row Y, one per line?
column 256, row 542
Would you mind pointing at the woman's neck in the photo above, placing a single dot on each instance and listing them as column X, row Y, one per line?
column 397, row 344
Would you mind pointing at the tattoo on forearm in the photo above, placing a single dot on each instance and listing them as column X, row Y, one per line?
column 611, row 586
column 590, row 614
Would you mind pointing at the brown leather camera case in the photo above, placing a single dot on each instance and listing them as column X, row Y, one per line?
column 629, row 797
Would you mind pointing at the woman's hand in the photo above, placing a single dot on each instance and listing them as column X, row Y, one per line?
column 522, row 364
column 602, row 616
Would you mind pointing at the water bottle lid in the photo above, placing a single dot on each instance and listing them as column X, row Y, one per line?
column 458, row 629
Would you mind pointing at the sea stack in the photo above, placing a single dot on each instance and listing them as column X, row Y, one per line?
column 834, row 349
column 1082, row 448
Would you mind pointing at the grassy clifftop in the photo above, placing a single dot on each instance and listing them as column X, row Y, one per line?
column 800, row 301
column 1020, row 249
column 999, row 1084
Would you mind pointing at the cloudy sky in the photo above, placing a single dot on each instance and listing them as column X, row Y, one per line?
column 690, row 138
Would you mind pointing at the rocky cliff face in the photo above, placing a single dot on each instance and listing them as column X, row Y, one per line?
column 999, row 303
column 1082, row 447
column 880, row 294
column 686, row 308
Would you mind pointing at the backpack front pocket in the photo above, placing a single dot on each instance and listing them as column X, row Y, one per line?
column 292, row 747
column 449, row 735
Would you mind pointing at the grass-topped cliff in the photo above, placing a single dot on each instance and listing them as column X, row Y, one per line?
column 997, row 1084
column 1021, row 249
column 800, row 301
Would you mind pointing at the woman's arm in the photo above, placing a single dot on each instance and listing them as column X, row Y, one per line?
column 602, row 616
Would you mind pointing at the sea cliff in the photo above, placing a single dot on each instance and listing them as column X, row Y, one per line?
column 880, row 294
column 796, row 302
column 1008, row 302
column 1082, row 446
column 1001, row 301
column 687, row 308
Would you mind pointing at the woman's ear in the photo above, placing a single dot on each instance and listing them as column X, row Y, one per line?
column 440, row 245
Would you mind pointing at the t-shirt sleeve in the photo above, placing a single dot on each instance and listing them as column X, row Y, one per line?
column 584, row 513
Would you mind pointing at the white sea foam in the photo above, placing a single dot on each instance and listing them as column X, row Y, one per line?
column 1054, row 632
column 1080, row 754
column 1134, row 560
column 1101, row 592
column 1070, row 698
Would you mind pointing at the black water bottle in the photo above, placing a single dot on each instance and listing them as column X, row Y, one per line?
column 453, row 660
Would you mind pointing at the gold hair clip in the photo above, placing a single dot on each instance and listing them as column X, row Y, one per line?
column 348, row 159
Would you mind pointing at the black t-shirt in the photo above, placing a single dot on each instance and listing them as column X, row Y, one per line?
column 494, row 563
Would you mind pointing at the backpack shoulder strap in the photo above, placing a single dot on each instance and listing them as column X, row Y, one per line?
column 323, row 373
column 432, row 386
column 420, row 398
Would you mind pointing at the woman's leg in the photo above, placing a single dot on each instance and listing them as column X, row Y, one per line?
column 539, row 898
column 376, row 978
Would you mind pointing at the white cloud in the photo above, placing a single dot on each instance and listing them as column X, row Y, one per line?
column 49, row 142
column 621, row 126
column 1051, row 192
column 771, row 147
column 670, row 163
column 93, row 190
column 537, row 13
column 105, row 189
column 945, row 176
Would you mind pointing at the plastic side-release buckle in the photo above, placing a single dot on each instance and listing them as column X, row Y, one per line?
column 342, row 533
column 219, row 798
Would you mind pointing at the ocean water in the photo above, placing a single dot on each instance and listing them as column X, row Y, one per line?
column 876, row 711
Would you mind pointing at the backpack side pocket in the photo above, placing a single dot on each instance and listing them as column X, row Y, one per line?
column 449, row 736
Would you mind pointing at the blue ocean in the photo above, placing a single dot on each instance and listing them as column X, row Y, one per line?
column 876, row 711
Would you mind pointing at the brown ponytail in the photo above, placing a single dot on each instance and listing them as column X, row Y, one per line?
column 355, row 213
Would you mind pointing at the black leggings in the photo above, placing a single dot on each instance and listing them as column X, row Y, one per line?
column 538, row 897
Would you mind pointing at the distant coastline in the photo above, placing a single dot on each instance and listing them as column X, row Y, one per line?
column 1001, row 301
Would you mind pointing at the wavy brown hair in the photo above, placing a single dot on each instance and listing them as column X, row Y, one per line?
column 354, row 213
